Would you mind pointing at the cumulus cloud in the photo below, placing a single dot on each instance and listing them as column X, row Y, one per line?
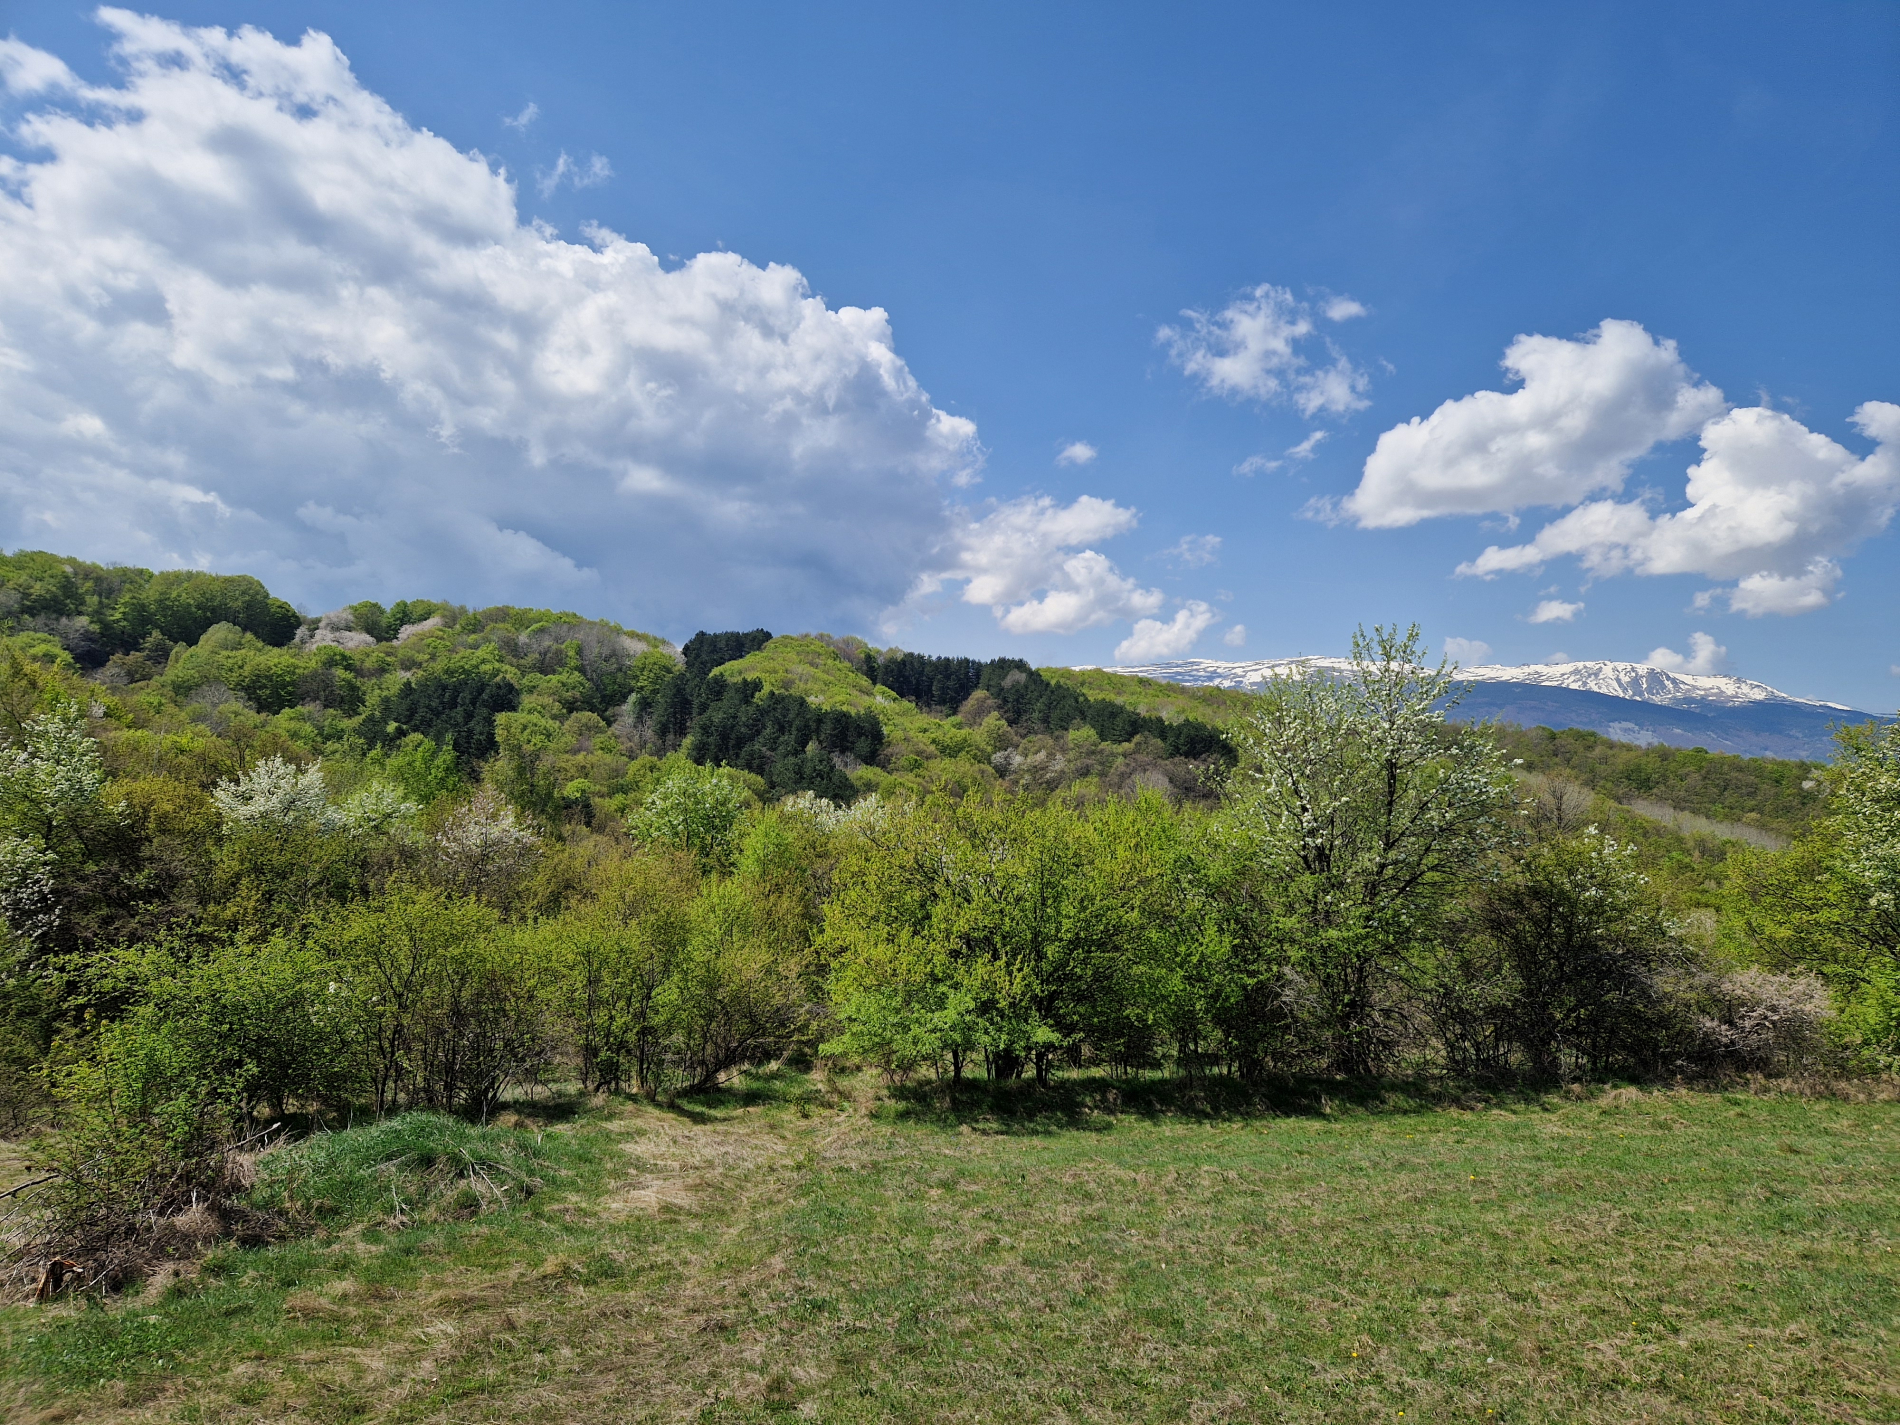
column 1194, row 550
column 590, row 174
column 1029, row 563
column 1235, row 637
column 255, row 320
column 1467, row 650
column 1343, row 309
column 1153, row 639
column 1255, row 348
column 1587, row 409
column 528, row 115
column 1705, row 656
column 1076, row 452
column 1555, row 611
column 1306, row 448
column 1771, row 503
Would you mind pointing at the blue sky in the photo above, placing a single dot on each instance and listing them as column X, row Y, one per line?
column 1031, row 194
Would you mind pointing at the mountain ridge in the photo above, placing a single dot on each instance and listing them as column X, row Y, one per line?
column 1628, row 702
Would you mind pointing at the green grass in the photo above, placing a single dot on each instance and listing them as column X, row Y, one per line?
column 793, row 1248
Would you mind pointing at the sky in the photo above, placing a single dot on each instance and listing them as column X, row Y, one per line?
column 1086, row 334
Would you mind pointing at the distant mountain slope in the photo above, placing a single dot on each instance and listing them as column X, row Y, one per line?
column 1630, row 702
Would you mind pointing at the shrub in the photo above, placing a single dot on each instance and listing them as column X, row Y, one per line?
column 1581, row 959
column 449, row 1006
column 1766, row 1023
column 142, row 1143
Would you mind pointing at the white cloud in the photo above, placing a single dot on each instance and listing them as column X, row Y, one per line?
column 1305, row 449
column 1257, row 465
column 1077, row 452
column 254, row 320
column 590, row 174
column 1153, row 639
column 1467, row 650
column 527, row 116
column 1252, row 349
column 1555, row 611
column 1586, row 411
column 1343, row 309
column 1559, row 659
column 1236, row 637
column 1771, row 503
column 1194, row 550
column 1705, row 656
column 1025, row 560
column 27, row 71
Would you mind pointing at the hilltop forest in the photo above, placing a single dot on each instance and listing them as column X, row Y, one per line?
column 257, row 866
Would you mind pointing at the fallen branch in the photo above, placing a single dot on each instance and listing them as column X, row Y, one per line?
column 24, row 1186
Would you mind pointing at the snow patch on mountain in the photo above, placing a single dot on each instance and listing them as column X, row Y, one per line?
column 1638, row 682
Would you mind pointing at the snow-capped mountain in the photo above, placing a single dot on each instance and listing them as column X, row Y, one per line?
column 1639, row 682
column 1631, row 702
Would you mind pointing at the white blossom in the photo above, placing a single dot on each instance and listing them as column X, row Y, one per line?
column 275, row 796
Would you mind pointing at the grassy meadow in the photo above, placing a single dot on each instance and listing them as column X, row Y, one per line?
column 801, row 1248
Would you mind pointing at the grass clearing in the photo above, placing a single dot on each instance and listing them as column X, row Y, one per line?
column 800, row 1249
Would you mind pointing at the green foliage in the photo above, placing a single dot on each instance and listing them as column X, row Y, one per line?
column 453, row 704
column 998, row 928
column 448, row 1005
column 733, row 996
column 268, row 1023
column 1829, row 903
column 1565, row 969
column 143, row 1124
column 695, row 810
column 610, row 961
column 426, row 771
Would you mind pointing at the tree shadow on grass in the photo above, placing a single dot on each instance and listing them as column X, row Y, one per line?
column 1093, row 1102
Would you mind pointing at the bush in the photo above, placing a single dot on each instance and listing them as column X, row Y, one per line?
column 1568, row 962
column 733, row 998
column 449, row 1007
column 270, row 1024
column 141, row 1151
column 1765, row 1023
column 611, row 961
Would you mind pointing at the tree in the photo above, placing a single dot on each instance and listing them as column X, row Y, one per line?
column 1586, row 958
column 1373, row 813
column 277, row 797
column 694, row 810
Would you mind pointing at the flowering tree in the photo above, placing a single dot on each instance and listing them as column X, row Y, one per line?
column 481, row 848
column 1371, row 812
column 50, row 784
column 275, row 796
column 1864, row 785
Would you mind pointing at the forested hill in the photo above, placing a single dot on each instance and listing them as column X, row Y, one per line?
column 574, row 713
column 572, row 716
